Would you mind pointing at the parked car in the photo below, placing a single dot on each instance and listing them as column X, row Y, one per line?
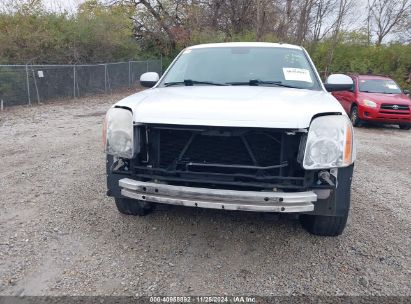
column 235, row 126
column 376, row 99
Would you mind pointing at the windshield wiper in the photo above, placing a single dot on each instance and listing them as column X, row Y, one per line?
column 189, row 82
column 256, row 82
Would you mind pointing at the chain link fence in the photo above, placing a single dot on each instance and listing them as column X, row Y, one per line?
column 31, row 84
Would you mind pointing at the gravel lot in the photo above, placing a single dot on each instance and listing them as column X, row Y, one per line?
column 60, row 234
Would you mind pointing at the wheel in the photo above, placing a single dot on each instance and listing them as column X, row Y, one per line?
column 405, row 127
column 355, row 120
column 324, row 225
column 133, row 207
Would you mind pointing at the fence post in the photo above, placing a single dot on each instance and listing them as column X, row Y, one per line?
column 35, row 85
column 161, row 64
column 74, row 81
column 147, row 65
column 28, row 84
column 129, row 74
column 105, row 77
column 2, row 105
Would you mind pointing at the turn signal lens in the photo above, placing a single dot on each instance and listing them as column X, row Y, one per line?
column 348, row 147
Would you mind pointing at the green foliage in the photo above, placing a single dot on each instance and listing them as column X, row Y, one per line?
column 206, row 36
column 95, row 34
column 392, row 60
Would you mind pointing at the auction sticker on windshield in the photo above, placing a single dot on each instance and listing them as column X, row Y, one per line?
column 296, row 74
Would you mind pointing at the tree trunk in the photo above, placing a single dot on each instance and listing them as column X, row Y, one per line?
column 161, row 22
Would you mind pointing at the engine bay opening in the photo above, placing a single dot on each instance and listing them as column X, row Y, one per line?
column 232, row 158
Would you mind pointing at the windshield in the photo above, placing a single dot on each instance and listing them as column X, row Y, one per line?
column 386, row 86
column 263, row 66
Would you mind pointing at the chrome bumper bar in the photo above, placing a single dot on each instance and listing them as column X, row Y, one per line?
column 217, row 198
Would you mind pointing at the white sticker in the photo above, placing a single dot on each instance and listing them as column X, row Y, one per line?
column 297, row 74
column 40, row 73
column 392, row 86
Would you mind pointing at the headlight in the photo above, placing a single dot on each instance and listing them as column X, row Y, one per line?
column 369, row 103
column 119, row 133
column 330, row 143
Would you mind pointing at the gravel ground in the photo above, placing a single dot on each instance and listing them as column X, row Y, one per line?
column 60, row 234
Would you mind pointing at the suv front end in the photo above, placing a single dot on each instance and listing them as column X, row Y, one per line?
column 305, row 171
column 235, row 126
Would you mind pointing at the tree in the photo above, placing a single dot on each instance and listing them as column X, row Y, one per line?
column 321, row 11
column 97, row 33
column 389, row 16
column 303, row 25
column 158, row 21
column 345, row 6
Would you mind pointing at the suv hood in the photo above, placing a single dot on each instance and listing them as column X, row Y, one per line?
column 230, row 106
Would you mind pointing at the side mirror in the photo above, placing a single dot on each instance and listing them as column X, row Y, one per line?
column 338, row 82
column 149, row 79
column 406, row 91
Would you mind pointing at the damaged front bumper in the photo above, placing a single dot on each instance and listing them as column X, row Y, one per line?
column 259, row 201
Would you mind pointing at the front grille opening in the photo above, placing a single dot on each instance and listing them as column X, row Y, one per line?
column 266, row 147
column 218, row 150
column 217, row 157
column 171, row 145
column 184, row 149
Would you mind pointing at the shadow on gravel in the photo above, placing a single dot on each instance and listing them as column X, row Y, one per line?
column 175, row 222
column 377, row 126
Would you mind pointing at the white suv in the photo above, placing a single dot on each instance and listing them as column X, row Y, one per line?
column 235, row 126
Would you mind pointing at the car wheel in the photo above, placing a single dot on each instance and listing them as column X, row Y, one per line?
column 324, row 225
column 355, row 120
column 405, row 127
column 133, row 207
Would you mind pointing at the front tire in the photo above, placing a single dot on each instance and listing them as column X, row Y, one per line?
column 405, row 127
column 355, row 120
column 133, row 207
column 324, row 225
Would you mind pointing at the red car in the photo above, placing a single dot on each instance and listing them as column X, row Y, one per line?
column 376, row 99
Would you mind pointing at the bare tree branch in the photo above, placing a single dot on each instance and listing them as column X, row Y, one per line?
column 389, row 16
